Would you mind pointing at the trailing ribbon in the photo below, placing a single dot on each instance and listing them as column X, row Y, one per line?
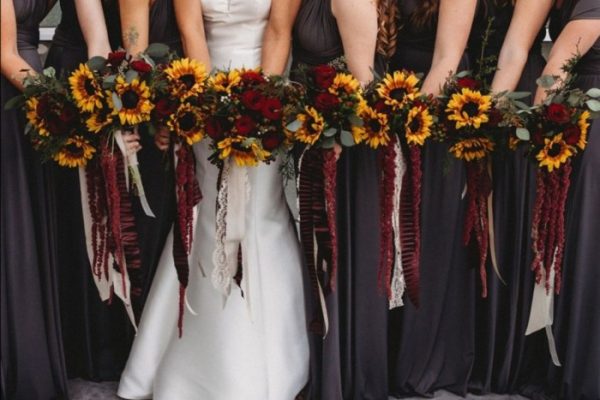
column 398, row 284
column 491, row 229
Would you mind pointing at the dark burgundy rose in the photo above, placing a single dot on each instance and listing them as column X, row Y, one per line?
column 326, row 102
column 116, row 58
column 214, row 128
column 272, row 109
column 244, row 125
column 380, row 106
column 56, row 126
column 164, row 108
column 572, row 135
column 538, row 137
column 141, row 66
column 495, row 117
column 43, row 107
column 253, row 100
column 68, row 113
column 558, row 113
column 468, row 83
column 324, row 75
column 271, row 141
column 250, row 77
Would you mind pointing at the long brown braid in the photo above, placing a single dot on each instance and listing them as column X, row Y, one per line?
column 387, row 33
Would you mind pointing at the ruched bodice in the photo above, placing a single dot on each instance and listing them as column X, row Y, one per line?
column 316, row 36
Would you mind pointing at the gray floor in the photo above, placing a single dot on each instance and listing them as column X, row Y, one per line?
column 84, row 390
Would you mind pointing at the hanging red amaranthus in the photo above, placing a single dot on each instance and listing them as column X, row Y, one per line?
column 98, row 210
column 386, row 199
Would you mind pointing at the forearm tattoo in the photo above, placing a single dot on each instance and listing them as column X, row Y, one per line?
column 131, row 36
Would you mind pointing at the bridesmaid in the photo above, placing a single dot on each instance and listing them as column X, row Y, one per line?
column 351, row 361
column 432, row 345
column 575, row 24
column 32, row 365
column 501, row 319
column 96, row 336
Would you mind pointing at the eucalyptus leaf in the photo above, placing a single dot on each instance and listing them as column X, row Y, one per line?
column 330, row 132
column 594, row 105
column 521, row 105
column 355, row 120
column 294, row 126
column 573, row 99
column 559, row 98
column 50, row 72
column 593, row 92
column 518, row 95
column 328, row 143
column 546, row 81
column 157, row 50
column 149, row 60
column 15, row 102
column 347, row 139
column 96, row 63
column 118, row 104
column 463, row 74
column 131, row 75
column 523, row 134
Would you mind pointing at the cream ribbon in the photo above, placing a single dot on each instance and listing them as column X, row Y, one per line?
column 398, row 284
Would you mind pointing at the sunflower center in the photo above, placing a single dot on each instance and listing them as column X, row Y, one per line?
column 187, row 121
column 89, row 87
column 472, row 109
column 398, row 94
column 74, row 150
column 554, row 150
column 188, row 80
column 130, row 99
column 374, row 125
column 415, row 125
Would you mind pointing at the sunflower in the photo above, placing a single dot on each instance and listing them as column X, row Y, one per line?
column 242, row 155
column 86, row 89
column 225, row 81
column 472, row 149
column 99, row 120
column 344, row 84
column 418, row 125
column 469, row 108
column 398, row 88
column 312, row 126
column 34, row 118
column 554, row 153
column 135, row 101
column 186, row 122
column 75, row 153
column 187, row 78
column 374, row 131
column 584, row 125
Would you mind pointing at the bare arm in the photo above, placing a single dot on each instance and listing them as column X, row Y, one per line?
column 278, row 35
column 577, row 35
column 357, row 22
column 135, row 23
column 91, row 20
column 528, row 18
column 454, row 25
column 191, row 27
column 12, row 65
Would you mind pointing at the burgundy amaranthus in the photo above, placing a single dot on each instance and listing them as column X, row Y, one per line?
column 386, row 191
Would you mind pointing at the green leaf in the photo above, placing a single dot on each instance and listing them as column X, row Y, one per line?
column 328, row 143
column 15, row 102
column 157, row 50
column 559, row 98
column 593, row 92
column 573, row 99
column 546, row 81
column 523, row 134
column 355, row 120
column 117, row 101
column 151, row 129
column 347, row 139
column 294, row 126
column 521, row 105
column 594, row 105
column 131, row 75
column 330, row 132
column 462, row 74
column 50, row 72
column 518, row 95
column 96, row 63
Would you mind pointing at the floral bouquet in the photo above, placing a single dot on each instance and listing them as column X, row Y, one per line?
column 54, row 126
column 397, row 117
column 474, row 122
column 179, row 91
column 556, row 133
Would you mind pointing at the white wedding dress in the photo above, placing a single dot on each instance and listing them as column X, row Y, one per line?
column 253, row 347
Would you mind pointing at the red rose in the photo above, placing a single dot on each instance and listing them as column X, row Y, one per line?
column 253, row 100
column 244, row 125
column 43, row 107
column 572, row 134
column 495, row 117
column 272, row 109
column 55, row 125
column 380, row 106
column 214, row 128
column 116, row 58
column 271, row 141
column 68, row 113
column 250, row 77
column 538, row 137
column 558, row 113
column 324, row 75
column 164, row 108
column 141, row 66
column 467, row 82
column 325, row 102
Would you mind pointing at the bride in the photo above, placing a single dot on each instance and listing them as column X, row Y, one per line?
column 250, row 345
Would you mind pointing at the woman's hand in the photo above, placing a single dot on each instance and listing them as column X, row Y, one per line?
column 132, row 141
column 162, row 138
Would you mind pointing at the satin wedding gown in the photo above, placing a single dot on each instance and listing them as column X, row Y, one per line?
column 253, row 347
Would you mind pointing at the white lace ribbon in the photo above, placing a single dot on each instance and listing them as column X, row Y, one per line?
column 131, row 165
column 232, row 197
column 541, row 315
column 398, row 284
column 114, row 278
